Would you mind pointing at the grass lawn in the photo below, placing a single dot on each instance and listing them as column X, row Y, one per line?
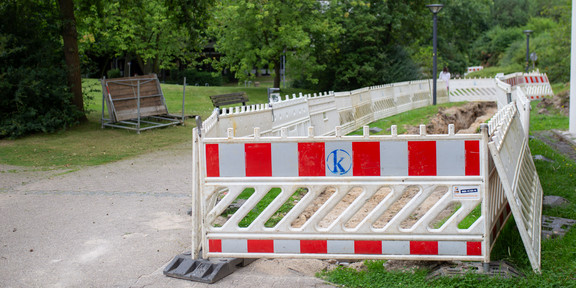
column 88, row 144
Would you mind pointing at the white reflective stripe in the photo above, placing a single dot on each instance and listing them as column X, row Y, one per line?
column 235, row 245
column 394, row 158
column 285, row 159
column 340, row 247
column 396, row 247
column 338, row 156
column 232, row 160
column 452, row 248
column 450, row 158
column 287, row 246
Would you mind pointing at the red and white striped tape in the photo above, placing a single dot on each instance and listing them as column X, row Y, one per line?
column 346, row 247
column 385, row 158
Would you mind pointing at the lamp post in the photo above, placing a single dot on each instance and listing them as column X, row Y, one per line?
column 434, row 8
column 527, row 32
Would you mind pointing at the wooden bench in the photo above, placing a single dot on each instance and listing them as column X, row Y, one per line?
column 229, row 99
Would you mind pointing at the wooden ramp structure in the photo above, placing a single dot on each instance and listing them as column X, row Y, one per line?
column 136, row 103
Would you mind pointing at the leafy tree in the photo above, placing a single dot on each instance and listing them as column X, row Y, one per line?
column 460, row 23
column 513, row 13
column 156, row 33
column 371, row 48
column 489, row 48
column 34, row 91
column 552, row 57
column 257, row 33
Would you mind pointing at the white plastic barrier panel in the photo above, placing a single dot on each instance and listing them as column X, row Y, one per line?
column 519, row 179
column 475, row 89
column 535, row 85
column 343, row 197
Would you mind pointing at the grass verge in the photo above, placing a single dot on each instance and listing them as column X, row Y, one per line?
column 88, row 144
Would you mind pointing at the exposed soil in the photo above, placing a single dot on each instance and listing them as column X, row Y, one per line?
column 560, row 102
column 466, row 118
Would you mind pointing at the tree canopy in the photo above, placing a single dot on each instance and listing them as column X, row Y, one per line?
column 255, row 34
column 326, row 45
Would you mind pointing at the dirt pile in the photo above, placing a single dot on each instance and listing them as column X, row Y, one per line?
column 560, row 102
column 466, row 118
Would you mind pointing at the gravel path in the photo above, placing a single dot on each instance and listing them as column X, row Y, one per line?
column 114, row 225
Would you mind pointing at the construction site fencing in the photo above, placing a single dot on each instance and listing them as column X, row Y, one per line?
column 535, row 85
column 343, row 197
column 296, row 187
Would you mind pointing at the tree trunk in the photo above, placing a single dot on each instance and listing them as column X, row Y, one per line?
column 70, row 37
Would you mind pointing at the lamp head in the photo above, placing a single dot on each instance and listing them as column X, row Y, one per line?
column 527, row 32
column 435, row 8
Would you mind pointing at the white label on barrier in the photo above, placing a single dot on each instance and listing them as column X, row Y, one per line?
column 466, row 192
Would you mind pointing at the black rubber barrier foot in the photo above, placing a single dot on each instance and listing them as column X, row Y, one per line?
column 203, row 270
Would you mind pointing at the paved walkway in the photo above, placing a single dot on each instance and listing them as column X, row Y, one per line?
column 115, row 225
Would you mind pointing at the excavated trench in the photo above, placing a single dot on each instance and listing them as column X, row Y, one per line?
column 466, row 118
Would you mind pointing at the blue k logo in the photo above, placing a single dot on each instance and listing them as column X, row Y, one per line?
column 339, row 162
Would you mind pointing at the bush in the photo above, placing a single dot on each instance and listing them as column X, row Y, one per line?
column 114, row 73
column 34, row 95
column 194, row 77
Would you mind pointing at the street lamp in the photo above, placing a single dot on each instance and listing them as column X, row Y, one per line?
column 434, row 8
column 527, row 32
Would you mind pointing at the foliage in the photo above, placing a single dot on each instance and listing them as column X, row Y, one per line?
column 505, row 44
column 194, row 77
column 371, row 48
column 157, row 33
column 34, row 94
column 513, row 13
column 491, row 72
column 489, row 48
column 460, row 23
column 255, row 34
column 114, row 73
